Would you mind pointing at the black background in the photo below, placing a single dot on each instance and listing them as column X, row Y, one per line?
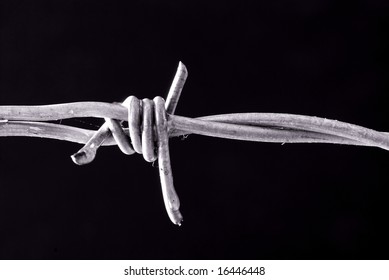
column 240, row 200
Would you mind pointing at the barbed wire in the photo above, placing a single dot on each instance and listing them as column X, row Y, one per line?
column 152, row 122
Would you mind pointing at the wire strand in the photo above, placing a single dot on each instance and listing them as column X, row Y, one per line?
column 152, row 122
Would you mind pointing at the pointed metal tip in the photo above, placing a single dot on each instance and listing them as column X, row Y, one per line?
column 182, row 67
column 175, row 216
column 82, row 157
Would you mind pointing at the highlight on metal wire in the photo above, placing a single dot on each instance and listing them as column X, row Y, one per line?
column 152, row 122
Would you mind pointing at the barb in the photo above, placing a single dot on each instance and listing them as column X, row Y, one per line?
column 152, row 122
column 143, row 139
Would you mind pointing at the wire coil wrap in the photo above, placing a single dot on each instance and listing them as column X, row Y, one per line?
column 147, row 127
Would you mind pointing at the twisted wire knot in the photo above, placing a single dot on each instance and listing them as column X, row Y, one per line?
column 147, row 135
column 146, row 125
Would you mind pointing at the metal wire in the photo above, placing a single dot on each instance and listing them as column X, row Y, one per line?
column 152, row 122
